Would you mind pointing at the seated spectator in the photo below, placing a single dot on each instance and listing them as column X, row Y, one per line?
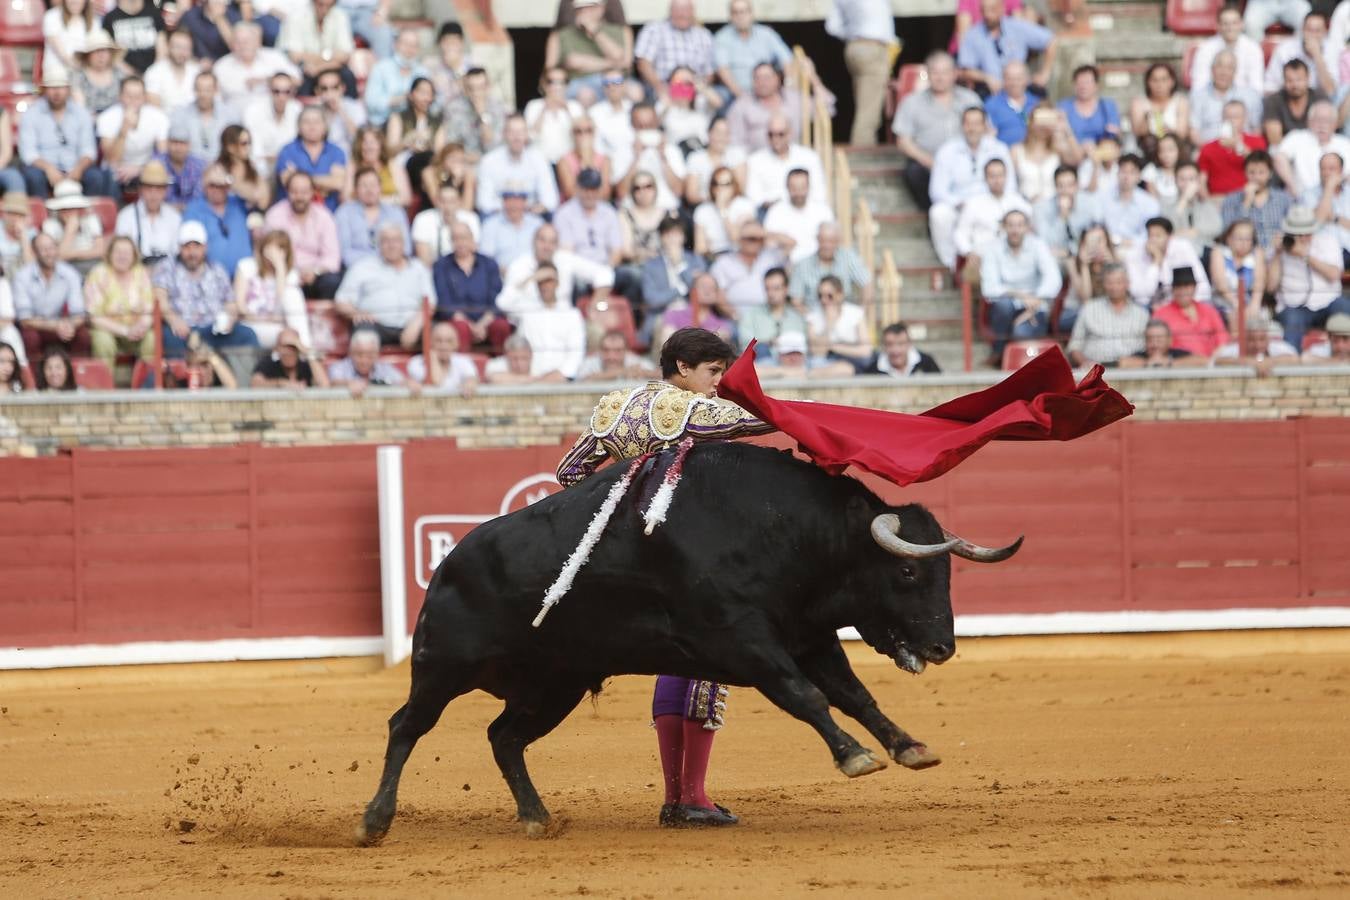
column 431, row 227
column 615, row 362
column 899, row 357
column 49, row 303
column 837, row 330
column 1305, row 271
column 750, row 115
column 385, row 291
column 665, row 44
column 742, row 45
column 1009, row 110
column 843, row 263
column 1298, row 157
column 640, row 218
column 1129, row 211
column 771, row 321
column 450, row 167
column 718, row 220
column 1208, row 101
column 267, row 295
column 705, row 309
column 1049, row 143
column 245, row 73
column 1263, row 205
column 1287, row 109
column 1111, row 327
column 1263, row 348
column 391, row 77
column 317, row 38
column 196, row 297
column 184, row 171
column 1237, row 261
column 347, row 129
column 16, row 231
column 768, row 168
column 467, row 285
column 1307, row 45
column 1099, row 172
column 370, row 21
column 1062, row 218
column 652, row 154
column 958, row 169
column 613, row 115
column 205, row 117
column 1160, row 174
column 313, row 153
column 65, row 29
column 740, row 275
column 1086, row 271
column 169, row 82
column 96, row 80
column 1159, row 353
column 520, row 165
column 1151, row 263
column 11, row 370
column 1329, row 195
column 138, row 28
column 475, row 119
column 516, row 366
column 362, row 368
column 74, row 226
column 587, row 47
column 791, row 225
column 415, row 132
column 577, row 275
column 119, row 298
column 54, row 372
column 668, row 276
column 793, row 357
column 1222, row 159
column 548, row 118
column 224, row 216
column 151, row 223
column 583, row 156
column 56, row 143
column 688, row 110
column 982, row 217
column 1195, row 217
column 1335, row 350
column 1091, row 116
column 702, row 163
column 928, row 119
column 1248, row 62
column 272, row 124
column 1196, row 326
column 557, row 333
column 1162, row 110
column 205, row 369
column 450, row 370
column 509, row 235
column 287, row 366
column 366, row 213
column 1019, row 279
column 314, row 234
column 589, row 227
column 208, row 26
column 994, row 41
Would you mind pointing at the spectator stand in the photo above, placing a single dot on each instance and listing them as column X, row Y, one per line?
column 21, row 23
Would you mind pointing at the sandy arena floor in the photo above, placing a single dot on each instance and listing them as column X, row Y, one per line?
column 1212, row 766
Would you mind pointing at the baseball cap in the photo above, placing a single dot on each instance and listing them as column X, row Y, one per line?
column 790, row 342
column 192, row 233
column 589, row 178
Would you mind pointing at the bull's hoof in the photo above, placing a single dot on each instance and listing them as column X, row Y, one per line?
column 548, row 828
column 864, row 762
column 917, row 756
column 369, row 836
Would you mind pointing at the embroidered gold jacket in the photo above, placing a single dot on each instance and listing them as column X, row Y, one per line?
column 657, row 415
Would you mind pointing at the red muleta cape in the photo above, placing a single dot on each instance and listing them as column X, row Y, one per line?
column 1038, row 402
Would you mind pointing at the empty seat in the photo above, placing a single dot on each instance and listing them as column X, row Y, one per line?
column 21, row 23
column 611, row 314
column 1197, row 17
column 910, row 78
column 92, row 374
column 1018, row 353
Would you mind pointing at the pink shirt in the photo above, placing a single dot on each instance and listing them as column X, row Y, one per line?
column 1202, row 335
column 314, row 237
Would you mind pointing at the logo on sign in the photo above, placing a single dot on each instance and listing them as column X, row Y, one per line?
column 435, row 536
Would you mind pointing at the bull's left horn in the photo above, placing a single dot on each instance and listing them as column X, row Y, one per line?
column 975, row 553
column 886, row 532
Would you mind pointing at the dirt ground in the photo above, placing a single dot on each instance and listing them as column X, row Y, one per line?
column 1212, row 766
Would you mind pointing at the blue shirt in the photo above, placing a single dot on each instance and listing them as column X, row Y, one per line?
column 505, row 242
column 740, row 55
column 357, row 237
column 294, row 154
column 62, row 144
column 1031, row 269
column 386, row 81
column 1094, row 127
column 187, row 184
column 473, row 294
column 1017, row 38
column 227, row 237
column 1010, row 124
column 1125, row 217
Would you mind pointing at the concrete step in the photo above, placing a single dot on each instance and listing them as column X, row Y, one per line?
column 910, row 252
column 1106, row 20
column 900, row 226
column 1131, row 46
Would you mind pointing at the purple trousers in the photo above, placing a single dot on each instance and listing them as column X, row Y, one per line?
column 692, row 698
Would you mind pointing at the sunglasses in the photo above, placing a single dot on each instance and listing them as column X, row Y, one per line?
column 644, row 187
column 777, row 134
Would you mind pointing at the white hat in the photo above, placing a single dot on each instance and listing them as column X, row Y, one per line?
column 192, row 233
column 790, row 342
column 68, row 195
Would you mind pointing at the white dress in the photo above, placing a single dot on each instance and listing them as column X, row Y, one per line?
column 1035, row 180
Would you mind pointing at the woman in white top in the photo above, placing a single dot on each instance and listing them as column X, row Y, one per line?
column 267, row 291
column 838, row 330
column 1160, row 175
column 64, row 29
column 549, row 118
column 702, row 163
column 717, row 222
column 684, row 115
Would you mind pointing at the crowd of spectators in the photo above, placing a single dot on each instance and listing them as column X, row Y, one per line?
column 1175, row 217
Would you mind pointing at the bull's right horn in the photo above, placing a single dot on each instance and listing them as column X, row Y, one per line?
column 886, row 532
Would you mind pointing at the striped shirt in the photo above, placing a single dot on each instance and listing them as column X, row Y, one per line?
column 847, row 266
column 667, row 48
column 1266, row 218
column 1105, row 333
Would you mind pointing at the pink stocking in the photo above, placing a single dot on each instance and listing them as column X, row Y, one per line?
column 670, row 740
column 698, row 743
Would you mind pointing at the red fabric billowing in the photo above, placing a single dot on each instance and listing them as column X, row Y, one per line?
column 1038, row 402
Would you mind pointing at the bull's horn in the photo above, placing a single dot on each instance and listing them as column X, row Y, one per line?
column 886, row 532
column 975, row 553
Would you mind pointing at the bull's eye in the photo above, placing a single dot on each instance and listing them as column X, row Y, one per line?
column 907, row 572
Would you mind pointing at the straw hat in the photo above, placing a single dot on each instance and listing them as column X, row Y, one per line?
column 1299, row 220
column 99, row 39
column 68, row 195
column 155, row 175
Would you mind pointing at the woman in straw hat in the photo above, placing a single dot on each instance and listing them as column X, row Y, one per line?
column 75, row 228
column 96, row 80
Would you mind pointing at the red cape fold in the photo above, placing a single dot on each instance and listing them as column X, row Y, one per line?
column 1038, row 402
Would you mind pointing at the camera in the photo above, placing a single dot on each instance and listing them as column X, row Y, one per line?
column 1287, row 241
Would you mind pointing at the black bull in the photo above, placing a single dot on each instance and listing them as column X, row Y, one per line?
column 762, row 559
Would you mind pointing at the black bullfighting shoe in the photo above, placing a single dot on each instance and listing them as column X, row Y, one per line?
column 669, row 815
column 699, row 817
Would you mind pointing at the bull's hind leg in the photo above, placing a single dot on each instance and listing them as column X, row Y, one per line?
column 432, row 689
column 529, row 715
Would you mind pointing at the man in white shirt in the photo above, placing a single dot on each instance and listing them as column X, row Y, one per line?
column 450, row 369
column 957, row 176
column 431, row 227
column 150, row 222
column 982, row 216
column 793, row 224
column 1298, row 157
column 317, row 39
column 556, row 332
column 519, row 291
column 768, row 168
column 611, row 115
column 516, row 162
column 272, row 122
column 1251, row 62
column 243, row 74
column 1311, row 46
column 168, row 82
column 131, row 131
column 649, row 151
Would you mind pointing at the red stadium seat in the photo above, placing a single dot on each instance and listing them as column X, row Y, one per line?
column 17, row 103
column 330, row 332
column 1018, row 353
column 10, row 70
column 21, row 23
column 1268, row 45
column 361, row 62
column 37, row 211
column 613, row 314
column 910, row 78
column 1197, row 17
column 1187, row 62
column 106, row 210
column 177, row 368
column 92, row 374
column 1312, row 338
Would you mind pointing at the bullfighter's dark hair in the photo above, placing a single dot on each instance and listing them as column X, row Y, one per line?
column 693, row 347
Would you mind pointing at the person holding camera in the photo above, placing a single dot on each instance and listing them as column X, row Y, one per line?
column 1306, row 271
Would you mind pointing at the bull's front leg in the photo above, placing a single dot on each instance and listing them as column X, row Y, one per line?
column 829, row 670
